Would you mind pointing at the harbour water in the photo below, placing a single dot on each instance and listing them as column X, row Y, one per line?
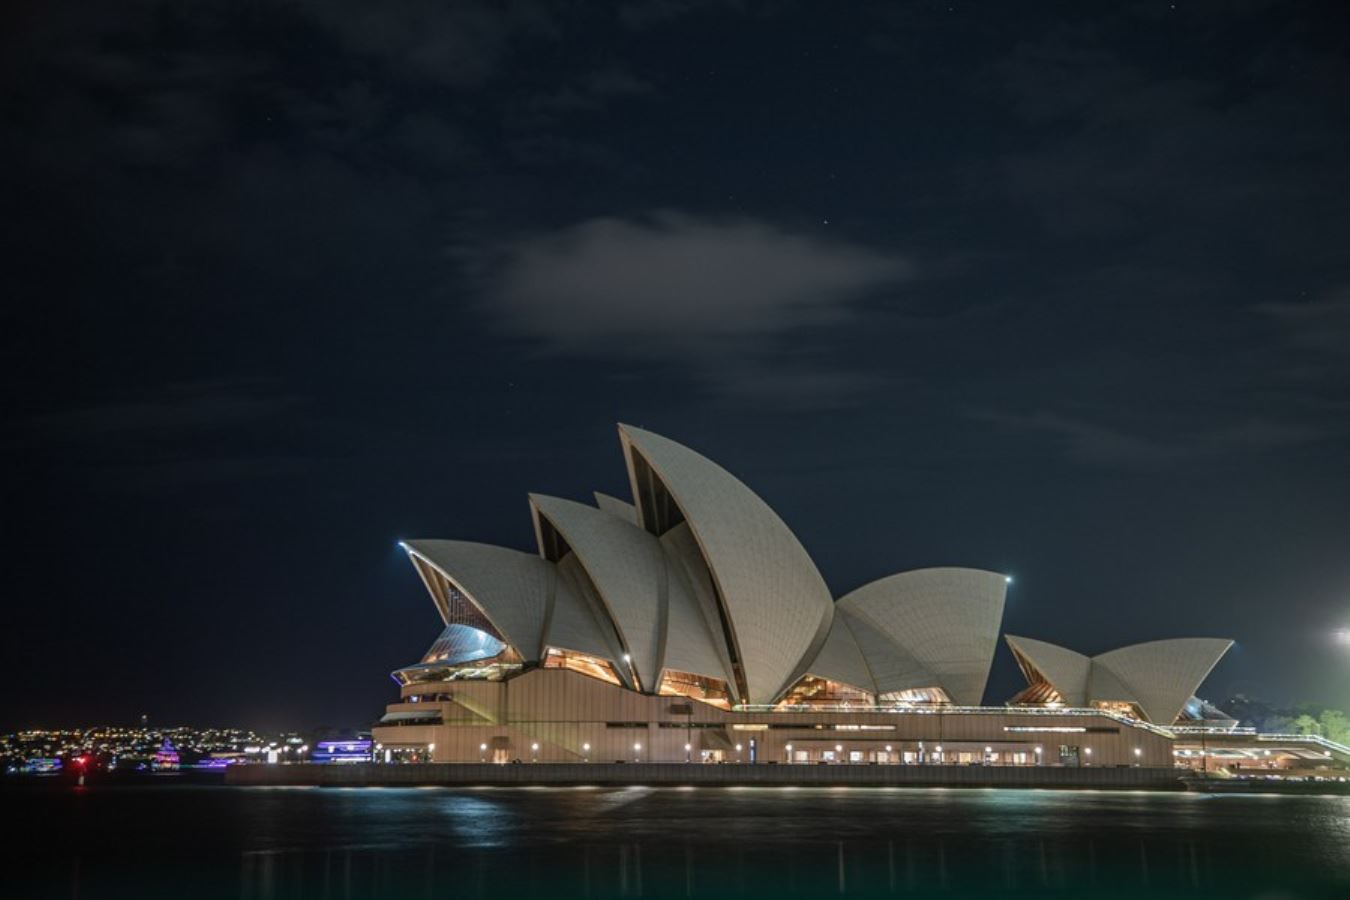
column 281, row 843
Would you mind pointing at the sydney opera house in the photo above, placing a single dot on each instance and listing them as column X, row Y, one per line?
column 690, row 625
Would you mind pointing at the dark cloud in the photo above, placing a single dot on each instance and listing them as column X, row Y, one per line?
column 167, row 412
column 461, row 44
column 171, row 437
column 592, row 92
column 1321, row 326
column 1093, row 444
column 1179, row 156
column 643, row 14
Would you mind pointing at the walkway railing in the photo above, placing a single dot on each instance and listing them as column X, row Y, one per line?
column 958, row 711
column 1211, row 729
column 1315, row 739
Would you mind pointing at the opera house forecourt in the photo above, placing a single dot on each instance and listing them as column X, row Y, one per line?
column 690, row 626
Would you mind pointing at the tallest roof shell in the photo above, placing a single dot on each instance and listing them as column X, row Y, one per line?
column 775, row 607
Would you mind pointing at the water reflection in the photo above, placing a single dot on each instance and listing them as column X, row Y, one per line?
column 912, row 867
column 276, row 845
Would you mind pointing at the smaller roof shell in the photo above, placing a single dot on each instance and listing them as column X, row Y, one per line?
column 511, row 588
column 945, row 619
column 1163, row 675
column 1063, row 669
column 1159, row 677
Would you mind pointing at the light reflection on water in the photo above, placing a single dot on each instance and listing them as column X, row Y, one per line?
column 277, row 844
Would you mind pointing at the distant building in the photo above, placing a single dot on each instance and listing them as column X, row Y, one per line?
column 691, row 625
column 166, row 757
column 343, row 750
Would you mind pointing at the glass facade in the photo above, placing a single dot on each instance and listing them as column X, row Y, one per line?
column 580, row 662
column 696, row 687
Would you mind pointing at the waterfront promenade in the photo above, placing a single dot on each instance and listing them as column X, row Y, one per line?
column 679, row 774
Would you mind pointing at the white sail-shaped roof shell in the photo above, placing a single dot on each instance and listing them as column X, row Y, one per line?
column 894, row 668
column 512, row 589
column 1104, row 686
column 945, row 619
column 1163, row 675
column 840, row 658
column 533, row 604
column 1063, row 669
column 628, row 568
column 694, row 642
column 775, row 605
column 1158, row 677
column 577, row 621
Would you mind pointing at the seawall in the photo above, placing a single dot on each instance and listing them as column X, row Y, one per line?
column 678, row 774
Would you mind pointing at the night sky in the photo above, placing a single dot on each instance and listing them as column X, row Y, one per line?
column 1056, row 291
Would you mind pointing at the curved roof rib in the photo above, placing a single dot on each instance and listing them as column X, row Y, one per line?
column 893, row 668
column 616, row 507
column 576, row 621
column 1163, row 675
column 1105, row 687
column 947, row 619
column 1063, row 669
column 628, row 569
column 694, row 641
column 511, row 588
column 840, row 659
column 775, row 607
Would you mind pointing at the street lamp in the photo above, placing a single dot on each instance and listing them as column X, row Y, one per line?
column 1038, row 756
column 482, row 752
column 1088, row 752
column 687, row 749
column 637, row 753
column 788, row 750
column 738, row 753
column 534, row 751
column 586, row 752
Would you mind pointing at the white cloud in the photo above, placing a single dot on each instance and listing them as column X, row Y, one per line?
column 674, row 284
